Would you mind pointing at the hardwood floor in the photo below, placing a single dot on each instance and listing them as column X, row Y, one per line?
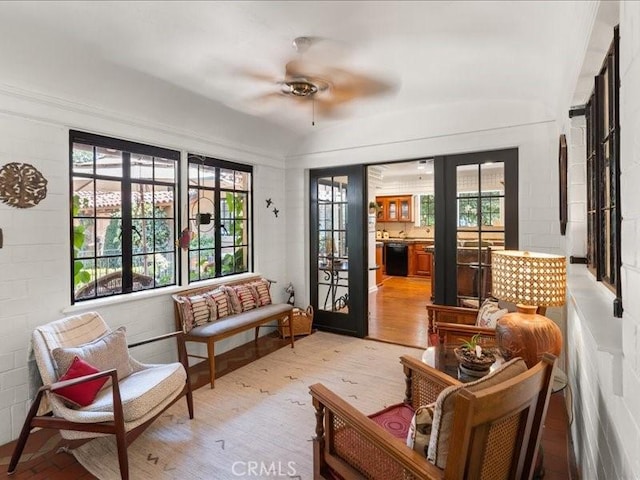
column 42, row 459
column 397, row 312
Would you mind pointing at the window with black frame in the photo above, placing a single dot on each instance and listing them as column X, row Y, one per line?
column 123, row 216
column 603, row 175
column 219, row 209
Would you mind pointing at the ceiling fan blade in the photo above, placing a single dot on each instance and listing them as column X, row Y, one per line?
column 255, row 75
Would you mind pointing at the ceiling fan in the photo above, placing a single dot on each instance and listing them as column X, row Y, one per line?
column 327, row 87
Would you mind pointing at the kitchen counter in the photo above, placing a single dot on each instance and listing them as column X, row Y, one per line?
column 405, row 240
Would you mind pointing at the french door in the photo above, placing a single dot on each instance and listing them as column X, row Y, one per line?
column 476, row 213
column 338, row 249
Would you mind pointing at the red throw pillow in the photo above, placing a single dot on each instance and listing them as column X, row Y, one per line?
column 82, row 394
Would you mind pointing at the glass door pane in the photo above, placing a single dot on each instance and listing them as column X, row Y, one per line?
column 480, row 228
column 333, row 257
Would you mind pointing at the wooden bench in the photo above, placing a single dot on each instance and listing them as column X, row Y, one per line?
column 230, row 325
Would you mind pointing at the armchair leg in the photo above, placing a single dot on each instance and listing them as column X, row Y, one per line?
column 121, row 434
column 24, row 434
column 123, row 459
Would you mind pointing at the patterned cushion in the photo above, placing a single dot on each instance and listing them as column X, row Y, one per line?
column 221, row 300
column 395, row 419
column 200, row 310
column 245, row 297
column 234, row 302
column 260, row 290
column 82, row 394
column 443, row 414
column 187, row 315
column 109, row 351
column 489, row 313
column 420, row 429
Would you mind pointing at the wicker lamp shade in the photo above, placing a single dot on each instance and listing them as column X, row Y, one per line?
column 530, row 280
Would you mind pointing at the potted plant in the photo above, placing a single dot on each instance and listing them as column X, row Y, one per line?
column 473, row 359
column 373, row 208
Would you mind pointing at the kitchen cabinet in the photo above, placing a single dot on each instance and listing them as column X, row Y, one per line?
column 379, row 264
column 397, row 208
column 419, row 260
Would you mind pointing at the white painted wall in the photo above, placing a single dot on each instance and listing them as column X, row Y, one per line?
column 34, row 262
column 603, row 362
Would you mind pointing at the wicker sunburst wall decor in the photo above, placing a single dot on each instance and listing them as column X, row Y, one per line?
column 22, row 185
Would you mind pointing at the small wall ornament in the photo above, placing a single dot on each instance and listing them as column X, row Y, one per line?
column 22, row 185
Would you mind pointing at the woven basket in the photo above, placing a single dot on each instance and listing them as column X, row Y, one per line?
column 302, row 322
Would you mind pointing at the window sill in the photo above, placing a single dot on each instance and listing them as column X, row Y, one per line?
column 593, row 303
column 147, row 294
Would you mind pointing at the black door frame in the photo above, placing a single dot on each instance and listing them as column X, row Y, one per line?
column 446, row 214
column 355, row 322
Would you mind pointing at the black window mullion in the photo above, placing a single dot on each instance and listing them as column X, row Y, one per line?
column 218, row 226
column 127, row 224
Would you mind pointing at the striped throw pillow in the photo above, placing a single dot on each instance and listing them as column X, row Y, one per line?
column 260, row 290
column 187, row 315
column 245, row 297
column 199, row 308
column 221, row 300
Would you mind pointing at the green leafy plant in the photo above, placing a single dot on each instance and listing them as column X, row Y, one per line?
column 232, row 263
column 467, row 356
column 471, row 343
column 80, row 274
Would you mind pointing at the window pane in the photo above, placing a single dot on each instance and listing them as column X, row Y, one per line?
column 141, row 167
column 165, row 269
column 324, row 216
column 141, row 200
column 164, row 170
column 108, row 162
column 84, row 237
column 194, row 269
column 84, row 278
column 492, row 179
column 83, row 197
column 112, row 236
column 82, row 158
column 242, row 180
column 193, row 175
column 227, row 179
column 228, row 265
column 163, row 235
column 207, row 176
column 108, row 201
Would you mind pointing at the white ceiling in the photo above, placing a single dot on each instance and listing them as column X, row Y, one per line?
column 432, row 52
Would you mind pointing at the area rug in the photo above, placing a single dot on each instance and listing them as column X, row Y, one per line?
column 259, row 421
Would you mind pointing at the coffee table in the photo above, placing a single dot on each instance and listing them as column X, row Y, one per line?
column 442, row 358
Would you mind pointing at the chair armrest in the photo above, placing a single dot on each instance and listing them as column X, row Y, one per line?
column 85, row 378
column 182, row 349
column 118, row 415
column 157, row 338
column 455, row 334
column 423, row 383
column 450, row 314
column 353, row 445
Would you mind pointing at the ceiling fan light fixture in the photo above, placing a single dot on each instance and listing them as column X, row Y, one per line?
column 300, row 88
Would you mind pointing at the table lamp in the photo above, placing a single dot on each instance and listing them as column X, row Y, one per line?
column 530, row 280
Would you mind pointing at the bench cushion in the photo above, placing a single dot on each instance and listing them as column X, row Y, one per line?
column 249, row 317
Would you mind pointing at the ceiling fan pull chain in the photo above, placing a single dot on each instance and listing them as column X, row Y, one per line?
column 313, row 111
